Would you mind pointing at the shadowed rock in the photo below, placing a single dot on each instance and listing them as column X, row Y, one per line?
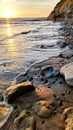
column 25, row 120
column 13, row 92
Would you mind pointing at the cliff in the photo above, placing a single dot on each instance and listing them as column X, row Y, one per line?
column 62, row 11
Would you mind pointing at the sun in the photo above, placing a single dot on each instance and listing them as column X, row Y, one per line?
column 6, row 13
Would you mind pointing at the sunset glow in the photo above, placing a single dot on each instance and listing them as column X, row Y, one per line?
column 7, row 13
column 6, row 1
column 26, row 8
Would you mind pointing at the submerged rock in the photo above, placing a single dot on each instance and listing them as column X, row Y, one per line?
column 5, row 112
column 13, row 92
column 62, row 43
column 67, row 72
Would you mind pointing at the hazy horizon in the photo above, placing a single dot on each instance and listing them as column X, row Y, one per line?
column 26, row 8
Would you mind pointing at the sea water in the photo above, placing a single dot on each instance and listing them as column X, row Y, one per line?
column 24, row 42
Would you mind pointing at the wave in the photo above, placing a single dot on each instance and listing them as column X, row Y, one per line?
column 19, row 20
column 17, row 34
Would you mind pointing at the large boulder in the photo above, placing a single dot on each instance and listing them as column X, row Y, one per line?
column 13, row 92
column 67, row 72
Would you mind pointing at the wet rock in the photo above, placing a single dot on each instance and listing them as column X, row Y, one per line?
column 48, row 72
column 20, row 78
column 69, row 125
column 41, row 109
column 5, row 112
column 67, row 54
column 60, row 55
column 46, row 46
column 67, row 72
column 45, row 93
column 45, row 106
column 60, row 103
column 68, row 112
column 25, row 120
column 62, row 43
column 13, row 92
column 1, row 98
column 42, row 46
column 22, row 114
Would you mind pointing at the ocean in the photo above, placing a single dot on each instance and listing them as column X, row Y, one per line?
column 24, row 42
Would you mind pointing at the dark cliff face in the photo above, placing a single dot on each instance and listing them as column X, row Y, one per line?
column 62, row 11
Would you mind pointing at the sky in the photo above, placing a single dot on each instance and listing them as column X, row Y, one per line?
column 26, row 8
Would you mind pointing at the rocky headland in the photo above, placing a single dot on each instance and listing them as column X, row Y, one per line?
column 62, row 11
column 41, row 98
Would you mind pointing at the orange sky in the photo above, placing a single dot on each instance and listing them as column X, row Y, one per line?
column 26, row 8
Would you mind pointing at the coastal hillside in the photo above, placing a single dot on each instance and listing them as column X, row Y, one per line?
column 63, row 10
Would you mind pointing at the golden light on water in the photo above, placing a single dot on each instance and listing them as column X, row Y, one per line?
column 11, row 43
column 12, row 48
column 6, row 13
column 9, row 30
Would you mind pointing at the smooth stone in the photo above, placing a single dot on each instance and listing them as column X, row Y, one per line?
column 5, row 112
column 48, row 72
column 13, row 92
column 67, row 72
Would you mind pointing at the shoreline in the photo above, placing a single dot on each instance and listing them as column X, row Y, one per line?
column 45, row 107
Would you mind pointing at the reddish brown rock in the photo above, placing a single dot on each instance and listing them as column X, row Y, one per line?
column 62, row 11
column 5, row 112
column 13, row 92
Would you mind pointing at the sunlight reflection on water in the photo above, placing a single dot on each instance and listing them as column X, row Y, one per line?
column 19, row 44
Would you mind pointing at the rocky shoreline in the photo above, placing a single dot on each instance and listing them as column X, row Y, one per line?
column 42, row 97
